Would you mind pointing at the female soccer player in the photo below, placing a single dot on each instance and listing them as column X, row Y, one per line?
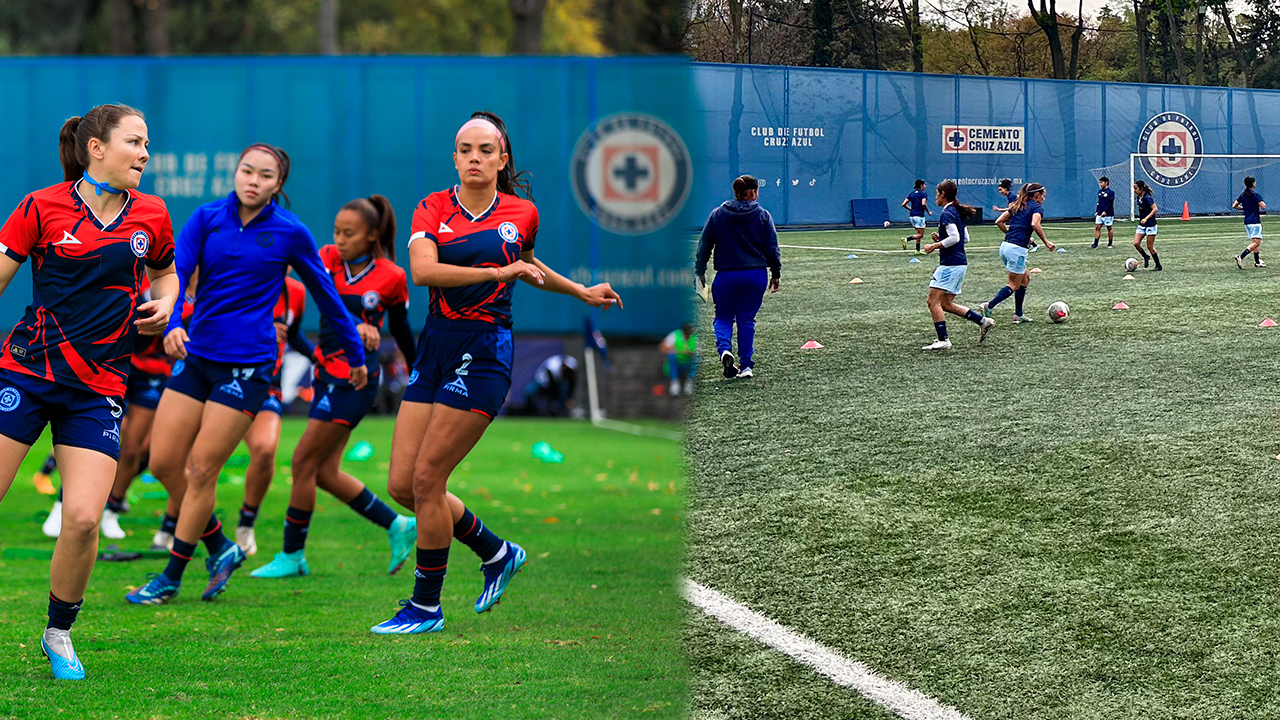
column 916, row 204
column 952, row 264
column 243, row 246
column 1147, row 210
column 263, row 438
column 362, row 261
column 94, row 239
column 1104, row 213
column 1018, row 223
column 1005, row 189
column 1252, row 204
column 468, row 244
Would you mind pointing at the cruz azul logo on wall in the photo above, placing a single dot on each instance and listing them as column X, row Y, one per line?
column 631, row 173
column 1171, row 136
column 983, row 139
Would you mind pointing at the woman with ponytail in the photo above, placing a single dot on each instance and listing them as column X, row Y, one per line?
column 242, row 246
column 469, row 244
column 95, row 241
column 1147, row 210
column 1018, row 223
column 952, row 265
column 362, row 263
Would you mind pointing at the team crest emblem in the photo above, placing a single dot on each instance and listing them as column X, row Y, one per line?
column 413, row 377
column 508, row 232
column 266, row 240
column 10, row 398
column 1171, row 137
column 370, row 299
column 140, row 243
column 631, row 173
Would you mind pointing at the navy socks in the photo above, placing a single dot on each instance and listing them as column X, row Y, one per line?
column 473, row 533
column 1002, row 295
column 429, row 577
column 179, row 556
column 373, row 509
column 214, row 541
column 941, row 329
column 168, row 524
column 248, row 515
column 1018, row 297
column 296, row 523
column 62, row 614
column 973, row 316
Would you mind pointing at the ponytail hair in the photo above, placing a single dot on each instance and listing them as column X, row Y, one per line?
column 282, row 159
column 1024, row 195
column 1142, row 187
column 380, row 216
column 949, row 190
column 509, row 181
column 73, row 140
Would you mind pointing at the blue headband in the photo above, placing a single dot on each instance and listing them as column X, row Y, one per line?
column 100, row 187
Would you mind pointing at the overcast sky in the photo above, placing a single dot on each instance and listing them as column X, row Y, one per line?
column 1091, row 7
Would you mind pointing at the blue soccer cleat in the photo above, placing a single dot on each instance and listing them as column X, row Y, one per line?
column 497, row 576
column 411, row 620
column 284, row 565
column 56, row 645
column 220, row 569
column 159, row 589
column 403, row 536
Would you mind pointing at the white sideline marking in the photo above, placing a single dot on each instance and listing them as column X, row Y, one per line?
column 1119, row 246
column 645, row 430
column 888, row 694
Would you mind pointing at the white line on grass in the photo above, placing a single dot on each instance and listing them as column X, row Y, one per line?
column 1165, row 240
column 888, row 694
column 628, row 428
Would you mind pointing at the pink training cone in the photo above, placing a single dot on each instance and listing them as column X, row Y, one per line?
column 1268, row 323
column 812, row 345
column 1119, row 306
column 1035, row 270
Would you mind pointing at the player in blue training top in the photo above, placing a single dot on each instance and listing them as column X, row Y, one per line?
column 916, row 204
column 362, row 262
column 1104, row 213
column 469, row 244
column 1018, row 223
column 94, row 240
column 949, row 241
column 242, row 245
column 1147, row 210
column 1253, row 205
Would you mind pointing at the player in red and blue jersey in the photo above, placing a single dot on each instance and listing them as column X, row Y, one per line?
column 362, row 262
column 469, row 244
column 92, row 241
column 243, row 247
column 263, row 438
column 1253, row 206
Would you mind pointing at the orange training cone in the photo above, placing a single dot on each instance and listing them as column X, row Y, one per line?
column 1186, row 210
column 1268, row 323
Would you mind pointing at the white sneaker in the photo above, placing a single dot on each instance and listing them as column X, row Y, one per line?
column 53, row 526
column 162, row 541
column 987, row 324
column 746, row 373
column 1019, row 319
column 111, row 525
column 246, row 541
column 674, row 390
column 938, row 345
column 688, row 387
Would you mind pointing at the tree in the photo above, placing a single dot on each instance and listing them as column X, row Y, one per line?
column 1047, row 19
column 912, row 22
column 328, row 27
column 1140, row 27
column 823, row 32
column 528, row 20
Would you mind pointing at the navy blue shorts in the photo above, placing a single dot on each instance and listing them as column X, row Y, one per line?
column 468, row 368
column 145, row 388
column 242, row 387
column 343, row 404
column 274, row 402
column 80, row 418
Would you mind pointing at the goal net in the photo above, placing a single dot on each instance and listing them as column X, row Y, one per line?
column 1206, row 184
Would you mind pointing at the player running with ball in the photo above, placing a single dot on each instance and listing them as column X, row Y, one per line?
column 1018, row 223
column 1147, row 210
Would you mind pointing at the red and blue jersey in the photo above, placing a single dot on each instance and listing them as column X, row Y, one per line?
column 495, row 238
column 87, row 274
column 288, row 311
column 369, row 295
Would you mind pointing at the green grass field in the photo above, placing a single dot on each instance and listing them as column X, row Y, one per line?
column 588, row 630
column 1070, row 521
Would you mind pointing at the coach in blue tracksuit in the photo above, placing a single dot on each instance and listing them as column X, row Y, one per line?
column 741, row 235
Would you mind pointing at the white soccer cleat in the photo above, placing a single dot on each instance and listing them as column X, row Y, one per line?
column 1260, row 263
column 246, row 540
column 162, row 541
column 987, row 324
column 938, row 345
column 674, row 389
column 1020, row 319
column 1239, row 263
column 111, row 525
column 746, row 373
column 53, row 525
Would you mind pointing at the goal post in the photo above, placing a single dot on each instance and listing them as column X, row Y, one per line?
column 1206, row 183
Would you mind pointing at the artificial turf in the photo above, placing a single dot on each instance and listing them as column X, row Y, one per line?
column 1069, row 521
column 589, row 629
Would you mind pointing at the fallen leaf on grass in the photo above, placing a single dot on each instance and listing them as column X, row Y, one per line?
column 550, row 520
column 656, row 511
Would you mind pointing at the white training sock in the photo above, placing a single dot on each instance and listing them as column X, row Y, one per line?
column 501, row 554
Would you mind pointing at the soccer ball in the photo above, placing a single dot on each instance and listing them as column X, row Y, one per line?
column 1130, row 265
column 887, row 223
column 1058, row 312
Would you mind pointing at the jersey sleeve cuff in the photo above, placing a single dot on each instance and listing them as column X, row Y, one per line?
column 15, row 255
column 421, row 234
column 165, row 261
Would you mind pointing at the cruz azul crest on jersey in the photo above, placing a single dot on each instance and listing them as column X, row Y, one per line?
column 1171, row 136
column 140, row 243
column 370, row 299
column 631, row 173
column 509, row 232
